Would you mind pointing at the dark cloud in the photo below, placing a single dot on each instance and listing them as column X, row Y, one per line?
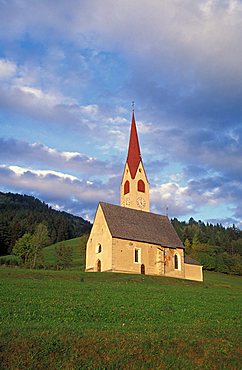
column 193, row 170
column 156, row 165
column 15, row 152
column 207, row 149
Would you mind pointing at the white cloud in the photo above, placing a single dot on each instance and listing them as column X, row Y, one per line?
column 144, row 127
column 51, row 99
column 39, row 95
column 91, row 109
column 19, row 171
column 173, row 196
column 7, row 69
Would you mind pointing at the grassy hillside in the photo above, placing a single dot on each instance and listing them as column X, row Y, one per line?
column 77, row 320
column 78, row 246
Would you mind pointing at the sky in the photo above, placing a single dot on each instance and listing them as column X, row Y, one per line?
column 69, row 71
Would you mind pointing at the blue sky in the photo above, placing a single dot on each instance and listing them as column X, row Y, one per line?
column 69, row 71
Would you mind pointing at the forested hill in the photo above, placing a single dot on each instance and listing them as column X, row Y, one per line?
column 21, row 213
column 216, row 247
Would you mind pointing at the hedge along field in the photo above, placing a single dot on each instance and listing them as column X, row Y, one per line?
column 76, row 320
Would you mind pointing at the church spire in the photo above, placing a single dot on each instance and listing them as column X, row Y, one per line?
column 134, row 190
column 134, row 155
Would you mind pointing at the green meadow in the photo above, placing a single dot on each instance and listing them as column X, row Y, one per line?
column 78, row 246
column 70, row 319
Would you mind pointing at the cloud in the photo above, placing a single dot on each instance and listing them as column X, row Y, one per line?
column 206, row 192
column 60, row 190
column 187, row 52
column 24, row 94
column 79, row 65
column 175, row 32
column 19, row 171
column 34, row 103
column 67, row 192
column 22, row 91
column 14, row 152
column 7, row 69
column 200, row 150
column 173, row 197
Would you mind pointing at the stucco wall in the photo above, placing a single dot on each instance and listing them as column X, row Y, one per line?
column 170, row 263
column 123, row 257
column 151, row 256
column 100, row 234
column 193, row 272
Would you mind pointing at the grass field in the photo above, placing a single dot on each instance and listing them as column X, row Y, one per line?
column 78, row 252
column 76, row 320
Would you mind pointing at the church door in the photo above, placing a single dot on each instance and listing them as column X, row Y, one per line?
column 98, row 266
column 143, row 269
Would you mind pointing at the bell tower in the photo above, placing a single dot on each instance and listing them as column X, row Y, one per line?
column 134, row 190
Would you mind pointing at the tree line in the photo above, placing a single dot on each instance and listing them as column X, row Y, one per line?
column 20, row 214
column 216, row 247
column 28, row 251
column 25, row 220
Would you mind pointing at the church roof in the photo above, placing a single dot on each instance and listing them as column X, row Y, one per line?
column 132, row 224
column 191, row 261
column 134, row 155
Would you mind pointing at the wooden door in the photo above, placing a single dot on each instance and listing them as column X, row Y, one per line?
column 98, row 266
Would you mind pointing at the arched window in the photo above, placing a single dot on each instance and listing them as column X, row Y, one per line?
column 141, row 186
column 126, row 187
column 99, row 248
column 176, row 262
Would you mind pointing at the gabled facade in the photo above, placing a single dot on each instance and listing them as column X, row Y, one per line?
column 129, row 238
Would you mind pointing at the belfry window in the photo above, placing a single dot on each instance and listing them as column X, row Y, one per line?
column 99, row 248
column 141, row 186
column 126, row 187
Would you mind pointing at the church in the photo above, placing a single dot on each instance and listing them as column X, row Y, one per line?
column 129, row 238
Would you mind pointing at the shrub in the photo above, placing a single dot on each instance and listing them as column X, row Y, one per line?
column 10, row 260
column 63, row 256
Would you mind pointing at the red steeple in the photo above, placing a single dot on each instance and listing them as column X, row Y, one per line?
column 134, row 156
